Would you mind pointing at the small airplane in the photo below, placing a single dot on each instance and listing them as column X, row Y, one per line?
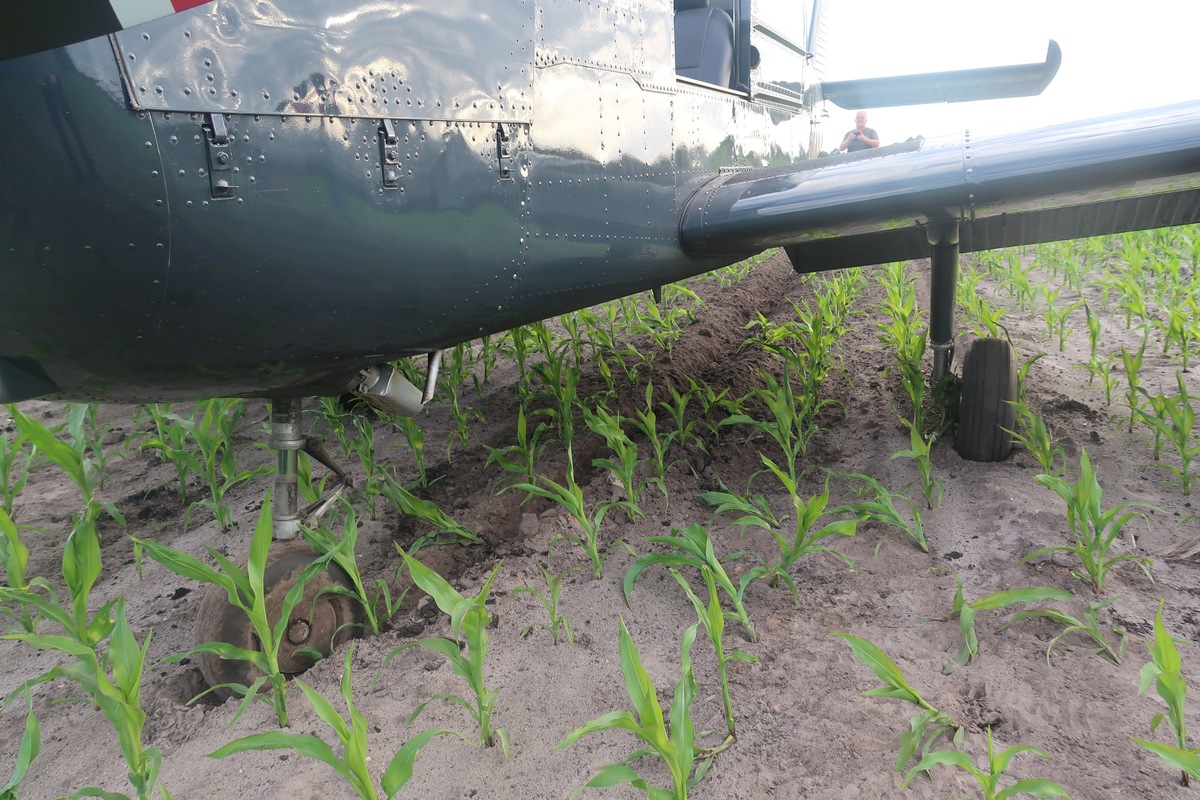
column 277, row 198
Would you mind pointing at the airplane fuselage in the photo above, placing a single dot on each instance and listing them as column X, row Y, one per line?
column 246, row 199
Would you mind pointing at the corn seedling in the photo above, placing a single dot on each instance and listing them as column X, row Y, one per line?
column 1057, row 318
column 646, row 421
column 877, row 504
column 341, row 552
column 213, row 434
column 685, row 432
column 561, row 382
column 453, row 378
column 14, row 559
column 1093, row 530
column 927, row 725
column 1087, row 626
column 712, row 617
column 1133, row 366
column 1176, row 424
column 72, row 459
column 549, row 600
column 415, row 437
column 445, row 529
column 1164, row 671
column 521, row 458
column 80, row 570
column 469, row 618
column 1034, row 435
column 31, row 743
column 806, row 539
column 918, row 450
column 570, row 497
column 1103, row 369
column 624, row 461
column 989, row 778
column 171, row 442
column 966, row 612
column 676, row 747
column 363, row 447
column 692, row 547
column 244, row 590
column 354, row 763
column 792, row 426
column 114, row 683
column 15, row 465
column 754, row 509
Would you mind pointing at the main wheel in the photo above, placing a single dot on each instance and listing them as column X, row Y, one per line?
column 989, row 385
column 320, row 621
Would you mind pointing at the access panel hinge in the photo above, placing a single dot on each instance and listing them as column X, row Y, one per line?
column 389, row 155
column 220, row 157
column 503, row 153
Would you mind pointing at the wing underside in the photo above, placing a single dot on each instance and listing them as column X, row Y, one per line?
column 1109, row 175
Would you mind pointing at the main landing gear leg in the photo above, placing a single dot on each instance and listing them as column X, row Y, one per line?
column 989, row 372
column 322, row 619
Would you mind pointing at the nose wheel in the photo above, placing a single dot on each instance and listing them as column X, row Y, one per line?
column 320, row 622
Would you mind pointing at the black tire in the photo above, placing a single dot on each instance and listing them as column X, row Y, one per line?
column 989, row 385
column 320, row 621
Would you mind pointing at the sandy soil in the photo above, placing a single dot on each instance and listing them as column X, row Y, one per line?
column 803, row 728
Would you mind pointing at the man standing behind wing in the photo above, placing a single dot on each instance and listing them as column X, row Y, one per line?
column 862, row 137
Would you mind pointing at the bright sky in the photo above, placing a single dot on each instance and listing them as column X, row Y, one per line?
column 1117, row 55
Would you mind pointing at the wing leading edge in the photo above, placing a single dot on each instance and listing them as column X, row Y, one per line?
column 1108, row 175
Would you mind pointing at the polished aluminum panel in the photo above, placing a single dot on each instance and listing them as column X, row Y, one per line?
column 454, row 59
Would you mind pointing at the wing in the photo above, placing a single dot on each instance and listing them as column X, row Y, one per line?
column 1108, row 175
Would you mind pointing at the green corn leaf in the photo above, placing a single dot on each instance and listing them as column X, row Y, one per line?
column 400, row 768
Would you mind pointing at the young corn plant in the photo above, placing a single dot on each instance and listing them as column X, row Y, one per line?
column 1177, row 425
column 1088, row 626
column 15, row 465
column 692, row 547
column 877, row 504
column 214, row 436
column 675, row 746
column 172, row 442
column 244, row 590
column 806, row 540
column 1034, row 435
column 1133, row 391
column 927, row 725
column 415, row 438
column 989, row 778
column 1164, row 671
column 71, row 458
column 469, row 619
column 646, row 421
column 966, row 612
column 1092, row 530
column 754, row 509
column 919, row 450
column 14, row 560
column 712, row 617
column 341, row 551
column 113, row 682
column 354, row 763
column 445, row 529
column 1058, row 317
column 521, row 458
column 549, row 600
column 570, row 497
column 38, row 602
column 31, row 744
column 624, row 462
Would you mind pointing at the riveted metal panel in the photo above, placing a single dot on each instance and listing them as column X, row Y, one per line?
column 453, row 59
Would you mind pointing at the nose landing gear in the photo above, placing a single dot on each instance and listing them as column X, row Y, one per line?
column 324, row 618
